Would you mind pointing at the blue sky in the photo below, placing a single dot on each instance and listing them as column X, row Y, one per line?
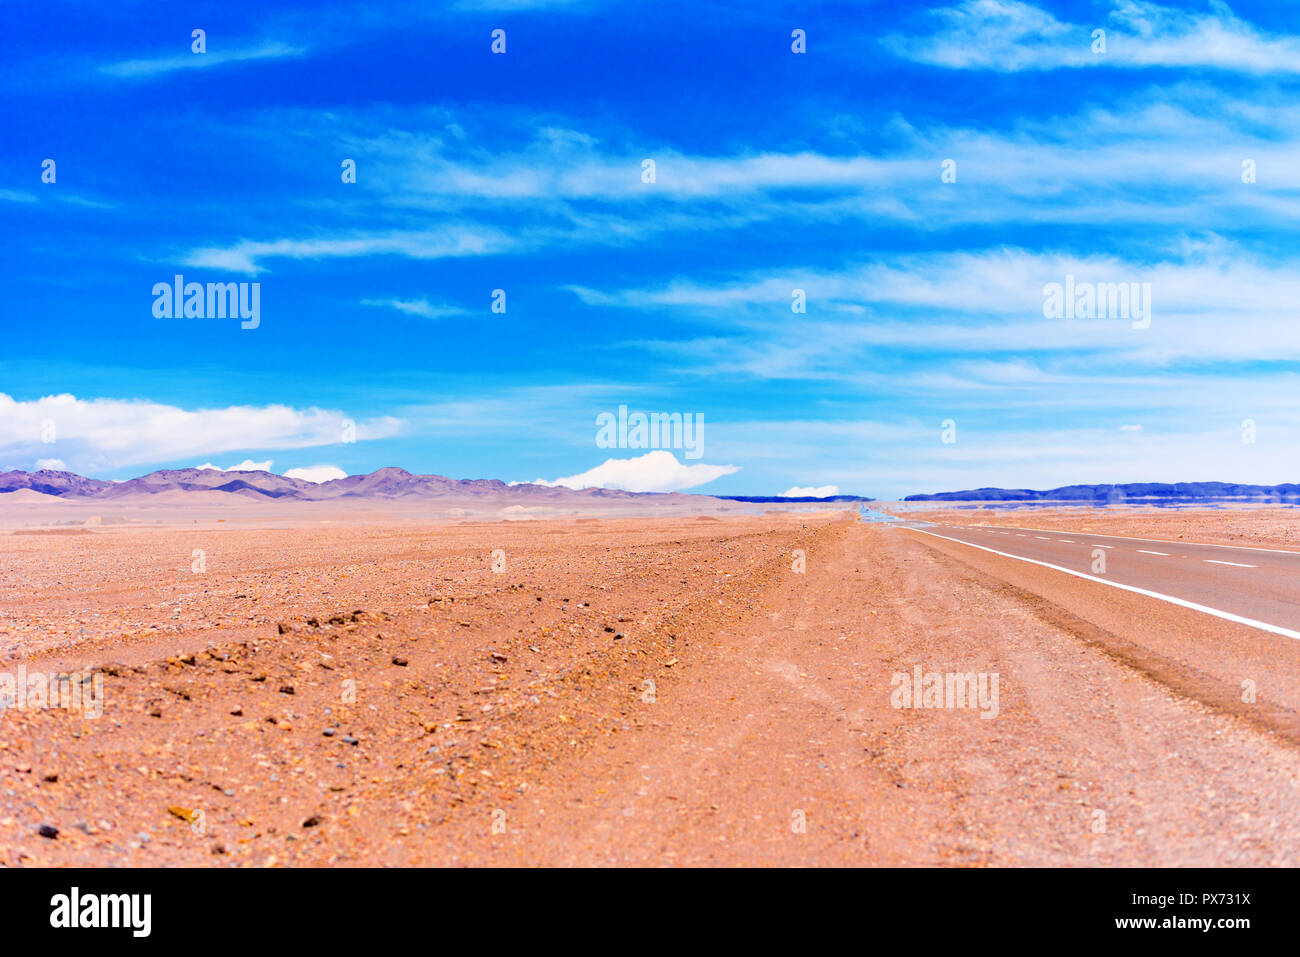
column 774, row 171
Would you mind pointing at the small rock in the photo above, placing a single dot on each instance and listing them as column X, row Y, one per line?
column 48, row 830
column 328, row 732
column 286, row 689
column 400, row 662
column 311, row 821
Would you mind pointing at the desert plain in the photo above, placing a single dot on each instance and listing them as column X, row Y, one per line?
column 307, row 686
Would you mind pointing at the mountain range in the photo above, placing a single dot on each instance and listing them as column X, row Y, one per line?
column 1131, row 491
column 386, row 483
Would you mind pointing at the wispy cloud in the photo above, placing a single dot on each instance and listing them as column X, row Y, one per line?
column 1166, row 157
column 1011, row 36
column 987, row 301
column 247, row 256
column 418, row 307
column 150, row 67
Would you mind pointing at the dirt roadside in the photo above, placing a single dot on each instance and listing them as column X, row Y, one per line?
column 768, row 736
column 789, row 718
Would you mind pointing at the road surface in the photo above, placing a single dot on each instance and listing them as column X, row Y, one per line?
column 1259, row 587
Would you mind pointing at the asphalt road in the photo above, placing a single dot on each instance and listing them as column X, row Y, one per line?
column 1252, row 586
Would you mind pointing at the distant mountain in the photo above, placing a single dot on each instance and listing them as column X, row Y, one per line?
column 52, row 483
column 1131, row 491
column 386, row 483
column 793, row 498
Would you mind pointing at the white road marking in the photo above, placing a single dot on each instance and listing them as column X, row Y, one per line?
column 1068, row 541
column 1095, row 545
column 1134, row 538
column 1182, row 602
column 1235, row 564
column 1145, row 552
column 1043, row 537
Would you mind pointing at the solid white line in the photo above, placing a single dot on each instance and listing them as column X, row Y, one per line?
column 1235, row 564
column 1165, row 541
column 1145, row 552
column 1182, row 602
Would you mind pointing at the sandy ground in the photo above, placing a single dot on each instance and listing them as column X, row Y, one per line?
column 626, row 691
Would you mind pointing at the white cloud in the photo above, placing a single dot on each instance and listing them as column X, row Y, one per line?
column 246, row 256
column 1170, row 156
column 417, row 307
column 1009, row 36
column 248, row 465
column 317, row 473
column 1130, row 428
column 983, row 301
column 151, row 67
column 819, row 491
column 312, row 473
column 97, row 435
column 54, row 465
column 657, row 471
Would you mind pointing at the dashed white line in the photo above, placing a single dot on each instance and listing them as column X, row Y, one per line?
column 1095, row 545
column 1182, row 602
column 1234, row 564
column 1134, row 538
column 1043, row 537
column 1068, row 541
column 1145, row 552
